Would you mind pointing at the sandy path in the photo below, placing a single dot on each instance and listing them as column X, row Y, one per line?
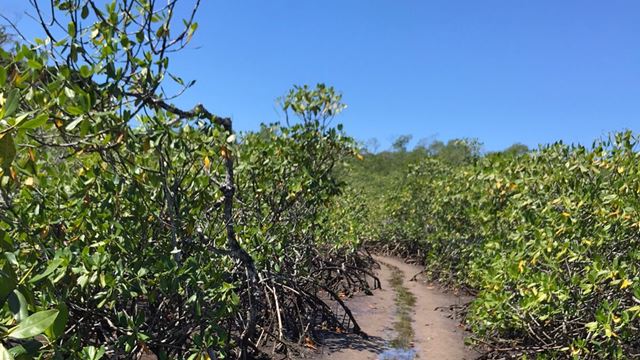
column 436, row 335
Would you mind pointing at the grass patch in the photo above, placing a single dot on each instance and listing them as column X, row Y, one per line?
column 405, row 301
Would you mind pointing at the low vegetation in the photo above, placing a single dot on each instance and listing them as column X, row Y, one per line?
column 546, row 240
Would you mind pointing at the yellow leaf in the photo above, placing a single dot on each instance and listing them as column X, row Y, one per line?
column 608, row 333
column 207, row 163
column 535, row 259
column 29, row 181
column 625, row 284
column 521, row 265
column 620, row 170
column 359, row 157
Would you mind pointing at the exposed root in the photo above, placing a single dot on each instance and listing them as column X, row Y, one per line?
column 292, row 309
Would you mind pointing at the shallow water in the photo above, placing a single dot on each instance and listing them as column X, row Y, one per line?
column 397, row 354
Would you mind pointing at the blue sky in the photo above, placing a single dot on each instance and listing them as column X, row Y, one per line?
column 501, row 71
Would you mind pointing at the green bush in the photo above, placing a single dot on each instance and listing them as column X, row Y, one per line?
column 130, row 226
column 548, row 240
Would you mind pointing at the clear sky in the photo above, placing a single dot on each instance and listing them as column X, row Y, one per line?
column 530, row 71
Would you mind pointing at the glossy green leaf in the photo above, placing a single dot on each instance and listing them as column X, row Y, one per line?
column 93, row 353
column 11, row 104
column 53, row 266
column 34, row 324
column 18, row 305
column 36, row 122
column 72, row 125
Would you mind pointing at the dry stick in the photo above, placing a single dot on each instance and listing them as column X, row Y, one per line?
column 275, row 297
column 266, row 296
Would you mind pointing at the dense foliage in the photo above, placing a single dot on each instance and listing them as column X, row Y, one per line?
column 132, row 227
column 548, row 241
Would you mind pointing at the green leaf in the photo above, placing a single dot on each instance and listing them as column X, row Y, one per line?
column 57, row 328
column 75, row 110
column 6, row 243
column 71, row 29
column 34, row 64
column 72, row 125
column 85, row 71
column 85, row 102
column 93, row 353
column 35, row 122
column 85, row 12
column 34, row 324
column 53, row 265
column 3, row 76
column 7, row 284
column 69, row 93
column 17, row 122
column 18, row 305
column 26, row 350
column 7, row 151
column 4, row 354
column 10, row 106
column 83, row 280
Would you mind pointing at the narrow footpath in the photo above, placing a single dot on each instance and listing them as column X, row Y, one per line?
column 433, row 334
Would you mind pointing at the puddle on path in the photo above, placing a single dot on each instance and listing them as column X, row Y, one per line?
column 398, row 354
column 402, row 344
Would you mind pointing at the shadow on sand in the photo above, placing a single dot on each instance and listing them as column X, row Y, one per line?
column 332, row 342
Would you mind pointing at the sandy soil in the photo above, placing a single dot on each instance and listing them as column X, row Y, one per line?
column 436, row 335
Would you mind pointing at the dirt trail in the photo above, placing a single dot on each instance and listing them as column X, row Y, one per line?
column 435, row 335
